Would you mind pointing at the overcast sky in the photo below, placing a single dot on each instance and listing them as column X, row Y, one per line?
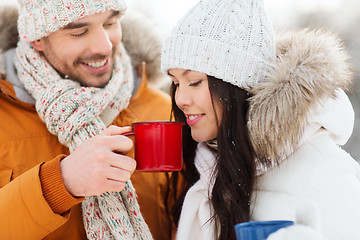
column 167, row 12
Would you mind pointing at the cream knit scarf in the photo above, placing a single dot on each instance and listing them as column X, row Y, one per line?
column 75, row 113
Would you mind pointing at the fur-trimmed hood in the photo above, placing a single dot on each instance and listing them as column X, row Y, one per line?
column 140, row 37
column 310, row 69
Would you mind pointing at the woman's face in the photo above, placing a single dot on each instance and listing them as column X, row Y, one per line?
column 193, row 97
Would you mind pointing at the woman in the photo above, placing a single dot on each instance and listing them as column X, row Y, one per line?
column 262, row 131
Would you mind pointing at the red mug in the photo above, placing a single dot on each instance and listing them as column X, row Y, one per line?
column 158, row 145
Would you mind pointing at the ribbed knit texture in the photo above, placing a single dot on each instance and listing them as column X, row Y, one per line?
column 55, row 193
column 39, row 18
column 228, row 39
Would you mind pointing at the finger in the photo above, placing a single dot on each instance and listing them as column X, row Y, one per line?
column 117, row 174
column 115, row 130
column 123, row 163
column 119, row 144
column 115, row 186
column 116, row 143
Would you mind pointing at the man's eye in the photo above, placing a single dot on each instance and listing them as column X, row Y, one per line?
column 109, row 24
column 78, row 34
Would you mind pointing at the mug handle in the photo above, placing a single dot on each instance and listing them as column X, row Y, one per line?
column 128, row 134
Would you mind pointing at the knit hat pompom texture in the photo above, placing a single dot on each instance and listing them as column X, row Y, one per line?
column 228, row 39
column 39, row 18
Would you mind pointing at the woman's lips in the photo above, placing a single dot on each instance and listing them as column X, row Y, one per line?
column 192, row 119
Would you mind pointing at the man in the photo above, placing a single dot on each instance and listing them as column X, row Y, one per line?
column 68, row 79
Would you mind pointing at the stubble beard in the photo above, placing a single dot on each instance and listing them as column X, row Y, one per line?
column 74, row 71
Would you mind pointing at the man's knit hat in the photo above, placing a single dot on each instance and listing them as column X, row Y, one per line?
column 39, row 18
column 228, row 39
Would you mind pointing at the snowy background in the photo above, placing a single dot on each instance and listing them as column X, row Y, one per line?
column 342, row 16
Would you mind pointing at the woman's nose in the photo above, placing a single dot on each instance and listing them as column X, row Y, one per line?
column 182, row 97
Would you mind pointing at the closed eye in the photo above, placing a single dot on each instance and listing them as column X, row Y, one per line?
column 79, row 34
column 109, row 24
column 195, row 84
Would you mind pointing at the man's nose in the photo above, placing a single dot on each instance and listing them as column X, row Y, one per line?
column 101, row 43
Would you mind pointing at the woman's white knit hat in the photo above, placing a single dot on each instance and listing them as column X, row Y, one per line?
column 228, row 39
column 39, row 18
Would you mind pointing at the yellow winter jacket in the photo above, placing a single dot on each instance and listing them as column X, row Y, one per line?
column 29, row 165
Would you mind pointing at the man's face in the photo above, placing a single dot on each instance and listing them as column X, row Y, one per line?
column 84, row 50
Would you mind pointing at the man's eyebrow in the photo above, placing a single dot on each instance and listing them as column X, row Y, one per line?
column 114, row 14
column 75, row 25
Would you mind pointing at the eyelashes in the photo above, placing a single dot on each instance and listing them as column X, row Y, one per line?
column 79, row 35
column 193, row 84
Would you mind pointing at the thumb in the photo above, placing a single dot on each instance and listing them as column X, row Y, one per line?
column 115, row 130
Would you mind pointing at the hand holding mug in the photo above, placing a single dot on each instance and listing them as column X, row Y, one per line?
column 96, row 166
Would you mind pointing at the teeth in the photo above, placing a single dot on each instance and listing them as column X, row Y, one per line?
column 192, row 117
column 97, row 64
